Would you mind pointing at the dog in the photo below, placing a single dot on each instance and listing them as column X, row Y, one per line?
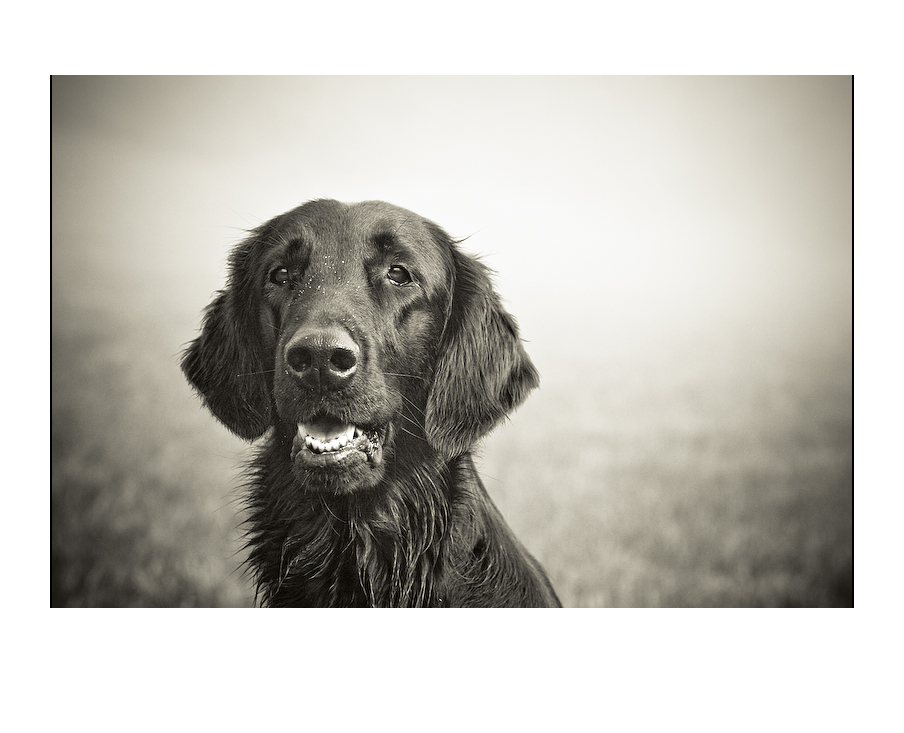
column 374, row 354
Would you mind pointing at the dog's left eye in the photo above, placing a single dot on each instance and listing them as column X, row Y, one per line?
column 279, row 276
column 399, row 275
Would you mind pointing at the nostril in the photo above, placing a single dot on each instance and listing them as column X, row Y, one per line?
column 300, row 358
column 343, row 360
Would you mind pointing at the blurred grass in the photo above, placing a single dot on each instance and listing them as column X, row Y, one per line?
column 142, row 502
column 713, row 470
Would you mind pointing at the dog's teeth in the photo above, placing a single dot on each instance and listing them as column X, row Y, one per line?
column 327, row 443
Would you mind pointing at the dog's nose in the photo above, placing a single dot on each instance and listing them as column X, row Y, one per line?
column 323, row 359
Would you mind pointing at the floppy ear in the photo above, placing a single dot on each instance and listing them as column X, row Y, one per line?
column 482, row 370
column 226, row 363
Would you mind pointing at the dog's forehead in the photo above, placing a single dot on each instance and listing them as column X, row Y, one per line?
column 327, row 223
column 376, row 216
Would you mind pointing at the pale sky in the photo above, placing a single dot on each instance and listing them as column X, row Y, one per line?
column 624, row 205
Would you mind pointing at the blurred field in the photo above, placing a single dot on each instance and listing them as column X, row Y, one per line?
column 710, row 473
column 142, row 507
column 708, row 470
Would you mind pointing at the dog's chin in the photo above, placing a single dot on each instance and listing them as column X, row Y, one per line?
column 352, row 461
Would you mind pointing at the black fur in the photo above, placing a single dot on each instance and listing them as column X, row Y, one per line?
column 312, row 330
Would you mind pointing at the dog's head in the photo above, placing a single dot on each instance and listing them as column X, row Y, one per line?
column 365, row 337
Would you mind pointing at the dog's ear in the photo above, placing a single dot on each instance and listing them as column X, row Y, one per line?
column 482, row 371
column 227, row 362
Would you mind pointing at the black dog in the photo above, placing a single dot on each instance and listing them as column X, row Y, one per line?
column 378, row 353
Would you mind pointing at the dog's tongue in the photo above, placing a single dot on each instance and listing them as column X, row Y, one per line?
column 325, row 428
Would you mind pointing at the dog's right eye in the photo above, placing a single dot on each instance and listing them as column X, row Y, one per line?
column 279, row 276
column 399, row 275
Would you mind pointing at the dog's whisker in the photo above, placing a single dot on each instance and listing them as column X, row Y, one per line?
column 419, row 410
column 405, row 430
column 414, row 423
column 409, row 376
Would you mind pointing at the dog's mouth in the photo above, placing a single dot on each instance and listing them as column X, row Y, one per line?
column 325, row 442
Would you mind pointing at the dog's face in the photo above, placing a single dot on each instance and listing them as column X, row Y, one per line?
column 355, row 298
column 364, row 337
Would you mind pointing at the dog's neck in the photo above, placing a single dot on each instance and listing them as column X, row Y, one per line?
column 382, row 547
